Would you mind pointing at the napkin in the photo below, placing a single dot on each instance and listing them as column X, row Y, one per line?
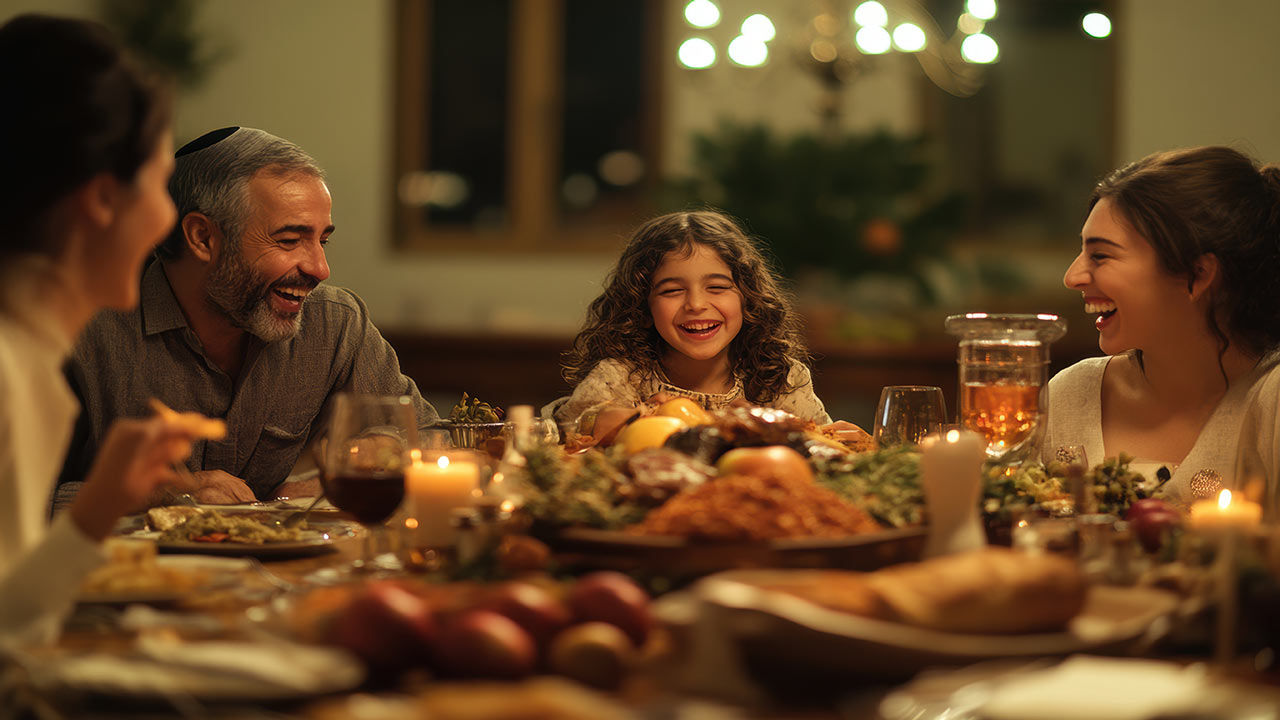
column 1100, row 689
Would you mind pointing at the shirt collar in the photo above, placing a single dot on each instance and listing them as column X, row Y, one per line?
column 160, row 309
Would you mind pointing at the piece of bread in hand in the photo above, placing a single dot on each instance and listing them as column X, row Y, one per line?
column 195, row 423
column 989, row 591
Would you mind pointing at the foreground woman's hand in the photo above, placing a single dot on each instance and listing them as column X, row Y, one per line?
column 136, row 458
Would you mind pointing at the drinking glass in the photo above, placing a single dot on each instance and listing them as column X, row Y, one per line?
column 1004, row 361
column 364, row 460
column 907, row 413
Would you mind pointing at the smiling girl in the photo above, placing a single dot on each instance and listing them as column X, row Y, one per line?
column 691, row 310
column 1180, row 261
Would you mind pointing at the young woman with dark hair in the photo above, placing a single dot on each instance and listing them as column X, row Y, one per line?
column 85, row 135
column 1180, row 262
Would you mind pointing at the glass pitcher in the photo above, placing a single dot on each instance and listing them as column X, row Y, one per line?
column 1004, row 366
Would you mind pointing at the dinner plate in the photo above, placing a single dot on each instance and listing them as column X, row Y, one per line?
column 220, row 572
column 263, row 670
column 323, row 535
column 676, row 555
column 777, row 636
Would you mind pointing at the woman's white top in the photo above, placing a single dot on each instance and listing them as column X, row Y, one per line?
column 41, row 565
column 1075, row 418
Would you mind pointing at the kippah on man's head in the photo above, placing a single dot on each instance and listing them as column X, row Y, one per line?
column 212, row 137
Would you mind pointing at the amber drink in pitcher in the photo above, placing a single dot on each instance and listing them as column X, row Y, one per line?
column 1004, row 365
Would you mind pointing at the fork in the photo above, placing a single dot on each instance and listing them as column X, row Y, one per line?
column 295, row 519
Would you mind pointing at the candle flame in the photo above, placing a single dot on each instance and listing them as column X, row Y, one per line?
column 953, row 436
column 443, row 462
column 507, row 506
column 415, row 455
column 1224, row 499
column 411, row 523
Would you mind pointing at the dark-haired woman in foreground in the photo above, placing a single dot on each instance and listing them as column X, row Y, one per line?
column 85, row 137
column 1181, row 264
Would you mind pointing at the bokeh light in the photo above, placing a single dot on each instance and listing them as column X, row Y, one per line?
column 871, row 14
column 621, row 167
column 909, row 37
column 702, row 13
column 1096, row 25
column 748, row 52
column 759, row 27
column 872, row 40
column 981, row 9
column 979, row 48
column 696, row 53
column 968, row 24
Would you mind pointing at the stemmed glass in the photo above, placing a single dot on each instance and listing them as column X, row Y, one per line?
column 364, row 460
column 907, row 413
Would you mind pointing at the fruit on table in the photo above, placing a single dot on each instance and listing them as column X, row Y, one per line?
column 613, row 598
column 1152, row 520
column 686, row 410
column 483, row 644
column 768, row 461
column 387, row 627
column 533, row 608
column 593, row 653
column 648, row 432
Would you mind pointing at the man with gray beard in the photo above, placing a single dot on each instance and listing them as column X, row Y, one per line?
column 235, row 324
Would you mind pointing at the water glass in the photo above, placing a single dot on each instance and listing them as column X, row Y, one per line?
column 907, row 413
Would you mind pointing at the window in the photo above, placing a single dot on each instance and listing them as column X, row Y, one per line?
column 524, row 124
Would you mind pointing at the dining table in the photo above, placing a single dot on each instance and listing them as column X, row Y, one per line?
column 719, row 651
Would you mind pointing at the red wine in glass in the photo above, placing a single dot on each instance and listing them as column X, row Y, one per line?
column 370, row 496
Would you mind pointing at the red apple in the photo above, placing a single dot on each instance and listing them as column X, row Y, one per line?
column 767, row 461
column 1145, row 505
column 483, row 644
column 387, row 627
column 613, row 598
column 1153, row 526
column 533, row 608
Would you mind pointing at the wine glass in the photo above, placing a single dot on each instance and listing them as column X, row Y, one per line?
column 907, row 413
column 364, row 460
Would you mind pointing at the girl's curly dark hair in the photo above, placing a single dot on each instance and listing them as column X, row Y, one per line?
column 619, row 324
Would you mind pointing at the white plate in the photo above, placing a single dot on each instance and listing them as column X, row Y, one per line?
column 324, row 533
column 222, row 571
column 771, row 629
column 263, row 671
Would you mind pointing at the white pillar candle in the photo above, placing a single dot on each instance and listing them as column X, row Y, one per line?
column 951, row 476
column 1225, row 512
column 435, row 489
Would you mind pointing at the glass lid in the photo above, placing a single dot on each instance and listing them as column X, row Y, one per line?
column 1006, row 327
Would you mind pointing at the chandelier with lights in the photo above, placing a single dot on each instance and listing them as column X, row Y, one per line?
column 837, row 41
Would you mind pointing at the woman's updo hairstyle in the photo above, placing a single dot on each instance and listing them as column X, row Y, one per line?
column 1211, row 200
column 75, row 105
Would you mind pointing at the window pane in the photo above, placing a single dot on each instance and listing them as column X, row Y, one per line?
column 603, row 158
column 466, row 154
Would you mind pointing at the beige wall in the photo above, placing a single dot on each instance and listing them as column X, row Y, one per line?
column 1199, row 73
column 319, row 72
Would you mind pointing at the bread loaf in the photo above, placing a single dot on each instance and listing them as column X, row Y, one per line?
column 993, row 590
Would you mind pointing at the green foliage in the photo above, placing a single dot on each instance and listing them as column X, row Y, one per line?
column 853, row 204
column 163, row 33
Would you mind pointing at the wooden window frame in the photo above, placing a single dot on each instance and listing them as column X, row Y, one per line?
column 534, row 132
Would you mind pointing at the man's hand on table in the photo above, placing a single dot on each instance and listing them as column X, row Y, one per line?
column 218, row 487
column 299, row 488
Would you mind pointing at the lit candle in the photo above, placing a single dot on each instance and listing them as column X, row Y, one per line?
column 951, row 475
column 435, row 490
column 1225, row 512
